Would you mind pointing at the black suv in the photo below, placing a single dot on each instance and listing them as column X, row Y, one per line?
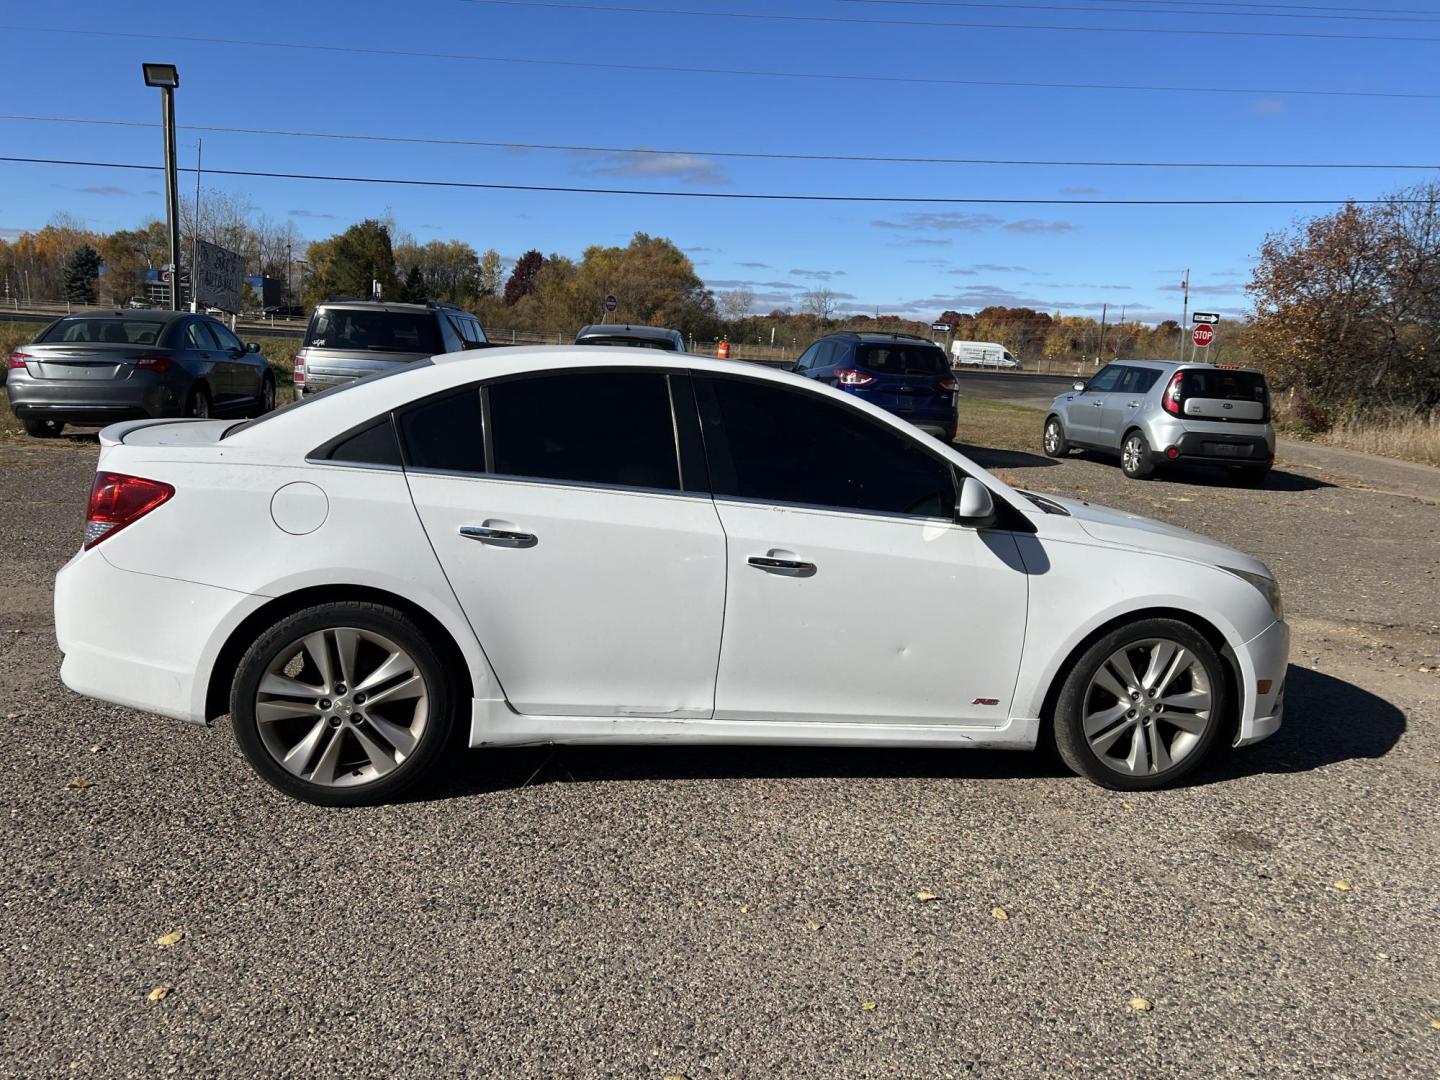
column 907, row 375
column 349, row 339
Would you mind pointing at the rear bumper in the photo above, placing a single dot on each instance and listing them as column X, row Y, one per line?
column 163, row 670
column 93, row 401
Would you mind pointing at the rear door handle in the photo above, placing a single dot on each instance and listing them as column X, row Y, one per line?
column 1098, row 404
column 498, row 537
column 1132, row 405
column 791, row 567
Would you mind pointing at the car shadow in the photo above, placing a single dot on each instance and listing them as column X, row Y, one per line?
column 990, row 458
column 1216, row 476
column 1328, row 721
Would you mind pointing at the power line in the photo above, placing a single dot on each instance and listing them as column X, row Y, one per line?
column 747, row 154
column 941, row 24
column 1281, row 7
column 1148, row 11
column 735, row 196
column 651, row 69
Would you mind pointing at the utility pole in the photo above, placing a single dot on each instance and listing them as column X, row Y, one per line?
column 1104, row 310
column 195, row 236
column 1184, row 314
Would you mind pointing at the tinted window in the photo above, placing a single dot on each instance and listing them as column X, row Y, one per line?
column 375, row 445
column 197, row 336
column 825, row 355
column 116, row 331
column 374, row 330
column 1107, row 379
column 225, row 337
column 445, row 433
column 903, row 360
column 662, row 344
column 450, row 336
column 589, row 427
column 807, row 358
column 468, row 329
column 1137, row 380
column 1224, row 384
column 787, row 446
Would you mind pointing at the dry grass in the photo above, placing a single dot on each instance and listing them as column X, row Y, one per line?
column 1407, row 437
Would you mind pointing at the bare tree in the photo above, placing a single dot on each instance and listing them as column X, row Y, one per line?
column 820, row 303
column 736, row 303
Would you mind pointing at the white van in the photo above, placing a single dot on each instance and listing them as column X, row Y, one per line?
column 982, row 353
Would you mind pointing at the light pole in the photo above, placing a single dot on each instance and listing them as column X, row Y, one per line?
column 167, row 78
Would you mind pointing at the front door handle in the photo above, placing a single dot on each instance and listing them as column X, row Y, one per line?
column 498, row 537
column 790, row 567
column 1097, row 404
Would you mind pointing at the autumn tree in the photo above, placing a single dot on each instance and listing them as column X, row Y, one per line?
column 491, row 276
column 348, row 262
column 523, row 277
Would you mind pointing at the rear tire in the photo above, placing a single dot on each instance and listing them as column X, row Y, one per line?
column 325, row 740
column 197, row 403
column 1053, row 441
column 1135, row 457
column 1142, row 707
column 44, row 429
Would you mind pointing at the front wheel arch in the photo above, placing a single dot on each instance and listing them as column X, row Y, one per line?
column 1209, row 631
column 222, row 672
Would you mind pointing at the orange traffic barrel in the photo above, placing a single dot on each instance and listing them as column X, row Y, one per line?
column 723, row 350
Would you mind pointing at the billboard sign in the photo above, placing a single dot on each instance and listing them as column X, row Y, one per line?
column 218, row 274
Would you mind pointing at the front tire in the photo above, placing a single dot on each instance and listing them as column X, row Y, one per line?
column 1135, row 459
column 342, row 704
column 1054, row 442
column 1142, row 707
column 44, row 429
column 266, row 403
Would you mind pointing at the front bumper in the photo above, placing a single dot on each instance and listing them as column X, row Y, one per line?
column 164, row 668
column 1266, row 657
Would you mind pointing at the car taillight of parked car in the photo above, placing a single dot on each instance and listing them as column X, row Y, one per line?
column 18, row 358
column 1171, row 398
column 947, row 384
column 851, row 377
column 299, row 374
column 117, row 500
column 150, row 361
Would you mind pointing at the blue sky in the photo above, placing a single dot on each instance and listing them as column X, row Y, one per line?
column 910, row 259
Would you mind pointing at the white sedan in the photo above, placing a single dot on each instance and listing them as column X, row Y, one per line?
column 548, row 545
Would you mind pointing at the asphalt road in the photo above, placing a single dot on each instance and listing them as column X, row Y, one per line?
column 695, row 912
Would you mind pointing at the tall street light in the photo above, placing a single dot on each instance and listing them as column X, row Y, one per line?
column 167, row 78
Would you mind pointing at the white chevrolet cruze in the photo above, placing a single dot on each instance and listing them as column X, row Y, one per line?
column 545, row 545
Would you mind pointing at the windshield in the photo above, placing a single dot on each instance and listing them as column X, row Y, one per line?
column 374, row 330
column 904, row 360
column 1224, row 385
column 629, row 343
column 300, row 403
column 108, row 331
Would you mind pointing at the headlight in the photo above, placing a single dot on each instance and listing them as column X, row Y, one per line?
column 1269, row 588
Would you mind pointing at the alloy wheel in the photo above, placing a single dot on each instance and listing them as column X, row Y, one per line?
column 1052, row 437
column 342, row 707
column 1147, row 707
column 1130, row 454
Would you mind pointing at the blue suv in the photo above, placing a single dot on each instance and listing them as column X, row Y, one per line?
column 907, row 375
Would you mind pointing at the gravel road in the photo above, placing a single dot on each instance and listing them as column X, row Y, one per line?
column 749, row 912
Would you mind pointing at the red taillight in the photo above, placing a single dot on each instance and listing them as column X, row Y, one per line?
column 947, row 384
column 1170, row 400
column 299, row 371
column 851, row 377
column 18, row 358
column 116, row 500
column 157, row 361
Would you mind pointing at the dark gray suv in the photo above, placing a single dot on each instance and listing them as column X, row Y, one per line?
column 349, row 339
column 98, row 367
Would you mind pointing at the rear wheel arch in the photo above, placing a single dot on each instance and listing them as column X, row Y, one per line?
column 222, row 672
column 1206, row 629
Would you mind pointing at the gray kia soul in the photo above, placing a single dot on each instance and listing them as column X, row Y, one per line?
column 1156, row 412
column 349, row 339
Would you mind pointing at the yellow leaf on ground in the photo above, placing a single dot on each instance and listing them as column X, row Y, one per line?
column 927, row 896
column 868, row 1006
column 172, row 938
column 96, row 748
column 811, row 924
column 158, row 994
column 1435, row 1024
column 1341, row 886
column 1000, row 913
column 1140, row 1004
column 1128, row 805
column 744, row 908
column 80, row 783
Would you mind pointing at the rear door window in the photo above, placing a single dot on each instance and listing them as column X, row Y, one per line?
column 445, row 433
column 225, row 337
column 781, row 445
column 614, row 428
column 1137, row 380
column 198, row 337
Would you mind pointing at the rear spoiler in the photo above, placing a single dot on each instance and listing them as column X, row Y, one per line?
column 115, row 434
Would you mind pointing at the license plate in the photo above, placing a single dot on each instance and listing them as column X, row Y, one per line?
column 1227, row 449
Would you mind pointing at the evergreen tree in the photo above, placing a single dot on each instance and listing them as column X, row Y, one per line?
column 82, row 269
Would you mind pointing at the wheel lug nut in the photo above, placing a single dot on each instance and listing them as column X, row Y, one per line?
column 340, row 688
column 1130, row 715
column 334, row 721
column 359, row 699
column 323, row 703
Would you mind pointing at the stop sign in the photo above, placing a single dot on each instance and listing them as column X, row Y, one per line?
column 1203, row 335
column 611, row 303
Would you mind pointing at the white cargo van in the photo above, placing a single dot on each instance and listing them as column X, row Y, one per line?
column 983, row 354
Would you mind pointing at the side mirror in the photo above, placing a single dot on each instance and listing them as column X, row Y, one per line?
column 977, row 507
column 252, row 346
column 1077, row 386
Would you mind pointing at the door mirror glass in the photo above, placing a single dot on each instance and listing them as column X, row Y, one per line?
column 252, row 346
column 977, row 506
column 1077, row 386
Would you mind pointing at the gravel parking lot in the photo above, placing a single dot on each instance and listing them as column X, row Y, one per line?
column 694, row 912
